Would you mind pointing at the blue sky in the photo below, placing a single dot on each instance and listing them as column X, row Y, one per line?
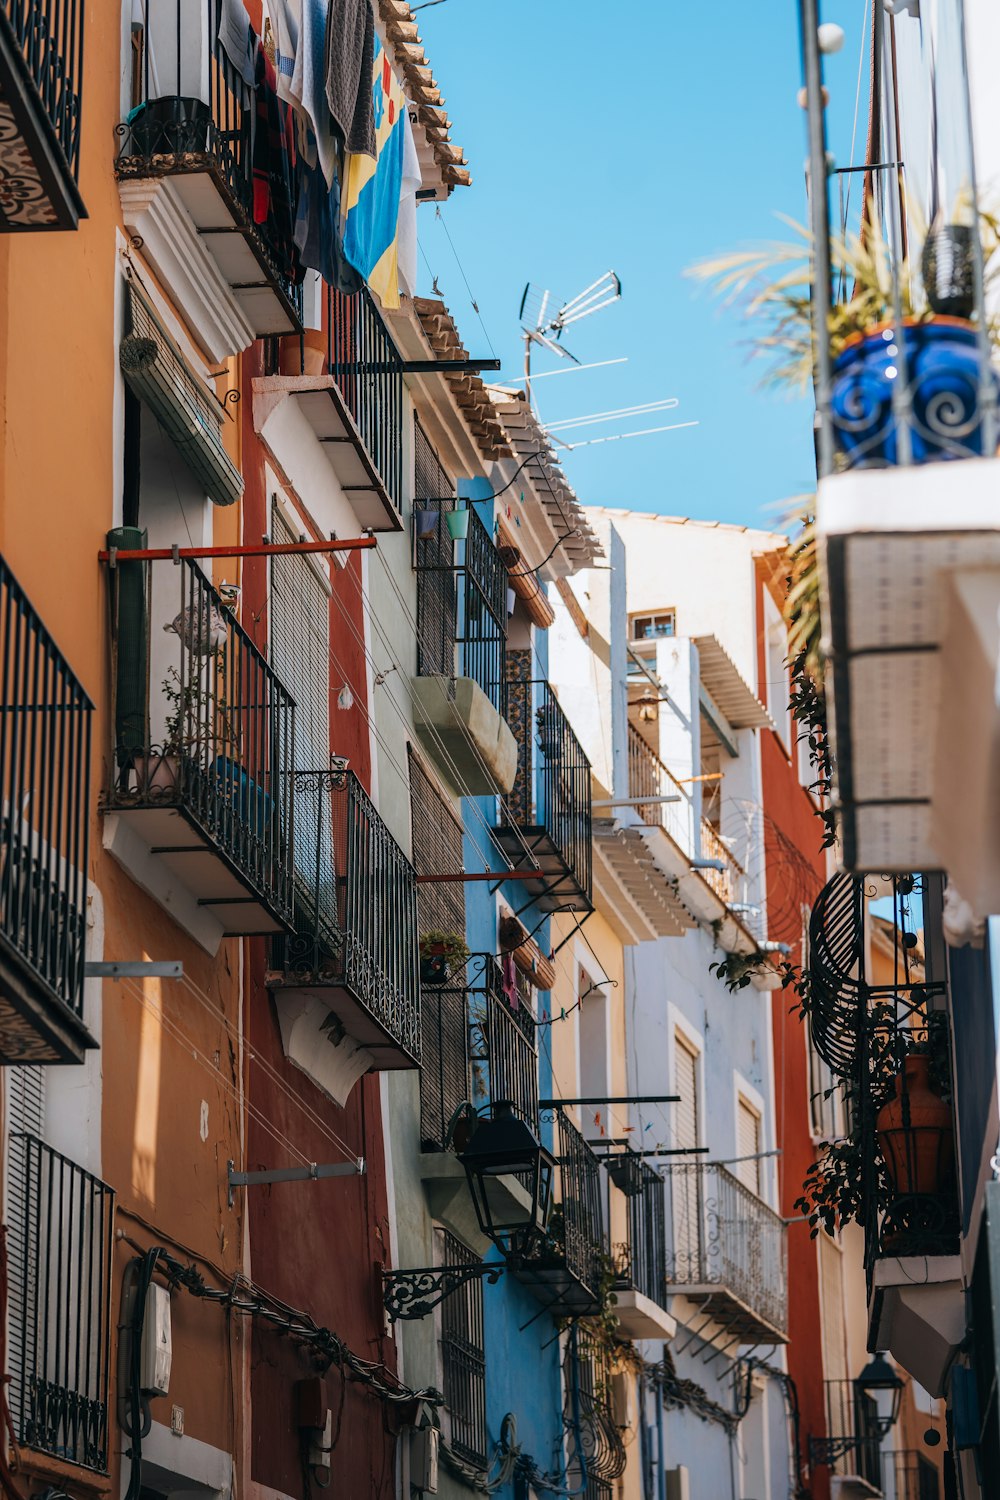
column 641, row 137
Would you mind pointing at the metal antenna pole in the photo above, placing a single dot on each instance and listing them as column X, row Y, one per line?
column 819, row 215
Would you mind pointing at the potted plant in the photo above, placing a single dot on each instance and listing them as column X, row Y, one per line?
column 457, row 522
column 441, row 955
column 914, row 1127
column 939, row 351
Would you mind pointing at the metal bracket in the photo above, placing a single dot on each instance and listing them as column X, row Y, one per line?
column 311, row 1173
column 827, row 1450
column 171, row 969
column 413, row 1294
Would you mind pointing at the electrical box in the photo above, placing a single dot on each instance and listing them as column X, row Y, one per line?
column 424, row 1460
column 619, row 1399
column 679, row 1483
column 157, row 1349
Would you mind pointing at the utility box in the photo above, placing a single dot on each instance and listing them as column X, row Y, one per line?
column 157, row 1349
column 679, row 1483
column 424, row 1460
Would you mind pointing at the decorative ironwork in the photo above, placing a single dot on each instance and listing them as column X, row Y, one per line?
column 597, row 1454
column 723, row 1236
column 853, row 1441
column 414, row 1294
column 61, row 1221
column 572, row 1259
column 461, row 605
column 482, row 1039
column 368, row 371
column 836, row 983
column 464, row 1357
column 355, row 905
column 641, row 1262
column 41, row 46
column 194, row 113
column 547, row 818
column 45, row 739
column 202, row 724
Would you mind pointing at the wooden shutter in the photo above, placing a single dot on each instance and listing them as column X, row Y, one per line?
column 685, row 1084
column 748, row 1145
column 25, row 1114
column 685, row 1180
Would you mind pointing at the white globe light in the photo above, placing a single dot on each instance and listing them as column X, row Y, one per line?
column 831, row 37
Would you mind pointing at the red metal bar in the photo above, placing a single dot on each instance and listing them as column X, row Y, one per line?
column 497, row 875
column 262, row 549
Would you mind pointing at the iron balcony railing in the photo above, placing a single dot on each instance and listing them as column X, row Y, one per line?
column 572, row 1260
column 368, row 371
column 463, row 1358
column 201, row 721
column 550, row 803
column 480, row 1045
column 723, row 1236
column 192, row 111
column 48, row 34
column 61, row 1221
column 595, row 1448
column 852, row 1446
column 461, row 602
column 914, row 1475
column 640, row 1260
column 45, row 740
column 649, row 777
column 355, row 906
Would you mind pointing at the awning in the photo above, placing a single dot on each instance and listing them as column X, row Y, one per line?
column 187, row 410
column 728, row 687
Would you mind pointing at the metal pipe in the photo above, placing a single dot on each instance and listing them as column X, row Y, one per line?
column 613, row 1099
column 500, row 875
column 634, row 801
column 264, row 549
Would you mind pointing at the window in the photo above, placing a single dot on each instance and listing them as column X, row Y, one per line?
column 778, row 678
column 595, row 1077
column 824, row 1113
column 685, row 1178
column 653, row 627
column 748, row 1145
column 463, row 1357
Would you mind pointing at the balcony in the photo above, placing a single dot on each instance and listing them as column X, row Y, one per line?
column 479, row 1045
column 200, row 802
column 61, row 1222
column 727, row 1253
column 45, row 732
column 346, row 982
column 710, row 881
column 460, row 692
column 41, row 80
column 186, row 177
column 851, row 1425
column 567, row 1270
column 596, row 1451
column 347, row 396
column 546, row 820
column 637, row 1220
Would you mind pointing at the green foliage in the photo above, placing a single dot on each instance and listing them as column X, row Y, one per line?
column 454, row 948
column 736, row 970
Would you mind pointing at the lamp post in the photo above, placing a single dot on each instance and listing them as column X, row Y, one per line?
column 511, row 1213
column 880, row 1383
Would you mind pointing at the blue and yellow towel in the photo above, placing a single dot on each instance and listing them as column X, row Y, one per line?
column 371, row 199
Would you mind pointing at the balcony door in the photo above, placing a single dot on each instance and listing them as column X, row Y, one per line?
column 300, row 654
column 685, row 1179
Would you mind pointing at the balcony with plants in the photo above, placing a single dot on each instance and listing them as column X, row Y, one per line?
column 346, row 980
column 569, row 1267
column 460, row 691
column 636, row 1216
column 45, row 745
column 41, row 83
column 199, row 802
column 546, row 821
column 206, row 174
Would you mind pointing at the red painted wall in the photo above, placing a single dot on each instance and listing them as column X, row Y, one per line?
column 318, row 1246
column 796, row 872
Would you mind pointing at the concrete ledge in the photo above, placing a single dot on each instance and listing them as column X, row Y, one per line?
column 464, row 735
column 639, row 1317
column 917, row 1313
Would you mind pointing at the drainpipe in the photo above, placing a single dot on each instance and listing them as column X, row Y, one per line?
column 661, row 1460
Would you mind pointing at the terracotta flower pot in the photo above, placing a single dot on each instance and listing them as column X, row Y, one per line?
column 916, row 1134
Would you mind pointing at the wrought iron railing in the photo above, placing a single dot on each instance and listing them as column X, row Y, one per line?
column 368, row 369
column 45, row 737
column 576, row 1239
column 914, row 1475
column 461, row 604
column 201, row 721
column 355, row 904
column 463, row 1357
column 640, row 1261
column 649, row 777
column 61, row 1230
column 596, row 1452
column 729, row 883
column 723, row 1235
column 49, row 36
column 194, row 112
column 551, row 795
column 852, row 1445
column 479, row 1045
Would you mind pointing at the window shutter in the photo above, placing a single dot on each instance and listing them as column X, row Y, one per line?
column 748, row 1146
column 685, row 1181
column 686, row 1084
column 25, row 1115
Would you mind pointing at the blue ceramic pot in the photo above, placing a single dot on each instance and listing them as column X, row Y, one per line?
column 943, row 370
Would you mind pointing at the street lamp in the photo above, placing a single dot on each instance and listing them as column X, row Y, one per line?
column 511, row 1214
column 880, row 1383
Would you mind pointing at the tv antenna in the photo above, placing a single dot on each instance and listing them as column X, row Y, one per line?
column 544, row 324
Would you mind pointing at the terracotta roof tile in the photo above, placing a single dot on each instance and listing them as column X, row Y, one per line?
column 421, row 87
column 471, row 395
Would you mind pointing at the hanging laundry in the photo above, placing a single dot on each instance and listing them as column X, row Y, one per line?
column 238, row 38
column 317, row 230
column 306, row 92
column 286, row 24
column 407, row 236
column 350, row 51
column 509, row 981
column 373, row 189
column 273, row 161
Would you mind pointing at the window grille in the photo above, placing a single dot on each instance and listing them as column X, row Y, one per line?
column 463, row 1357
